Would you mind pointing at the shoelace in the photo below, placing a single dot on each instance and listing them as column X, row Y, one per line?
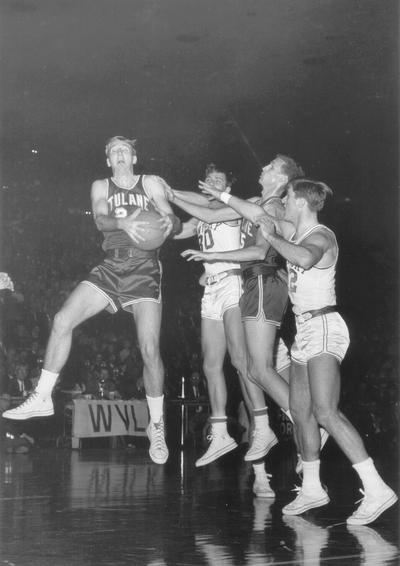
column 211, row 436
column 159, row 434
column 297, row 489
column 32, row 397
column 256, row 438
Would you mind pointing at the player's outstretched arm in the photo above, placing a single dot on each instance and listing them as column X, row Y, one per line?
column 245, row 208
column 191, row 197
column 189, row 229
column 185, row 196
column 306, row 255
column 207, row 214
column 256, row 252
column 154, row 187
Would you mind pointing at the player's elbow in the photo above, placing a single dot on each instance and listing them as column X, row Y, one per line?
column 255, row 217
column 260, row 252
column 306, row 262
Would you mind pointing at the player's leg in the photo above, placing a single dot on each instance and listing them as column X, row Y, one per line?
column 213, row 344
column 147, row 316
column 236, row 345
column 83, row 303
column 263, row 438
column 254, row 398
column 324, row 375
column 260, row 342
column 324, row 378
column 311, row 493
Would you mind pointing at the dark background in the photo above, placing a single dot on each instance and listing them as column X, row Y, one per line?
column 224, row 80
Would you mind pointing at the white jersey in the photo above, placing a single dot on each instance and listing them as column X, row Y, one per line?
column 314, row 288
column 218, row 237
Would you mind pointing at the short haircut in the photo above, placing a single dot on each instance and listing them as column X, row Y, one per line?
column 213, row 168
column 314, row 192
column 115, row 139
column 290, row 168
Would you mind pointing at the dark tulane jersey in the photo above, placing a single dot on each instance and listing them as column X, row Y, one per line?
column 248, row 238
column 121, row 203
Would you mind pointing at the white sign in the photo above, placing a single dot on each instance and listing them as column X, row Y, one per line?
column 93, row 418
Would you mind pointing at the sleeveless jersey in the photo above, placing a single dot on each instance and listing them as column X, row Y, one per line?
column 218, row 237
column 314, row 288
column 121, row 203
column 248, row 238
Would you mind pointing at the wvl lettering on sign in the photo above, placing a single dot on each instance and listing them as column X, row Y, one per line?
column 109, row 418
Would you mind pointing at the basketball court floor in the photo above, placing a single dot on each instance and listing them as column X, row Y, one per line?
column 102, row 506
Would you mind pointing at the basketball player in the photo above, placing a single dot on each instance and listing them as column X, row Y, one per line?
column 264, row 297
column 221, row 325
column 322, row 339
column 127, row 279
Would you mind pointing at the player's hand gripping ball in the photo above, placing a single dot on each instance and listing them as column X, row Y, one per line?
column 153, row 233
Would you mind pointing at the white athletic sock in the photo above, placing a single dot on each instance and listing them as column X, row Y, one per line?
column 46, row 383
column 156, row 407
column 259, row 469
column 219, row 425
column 369, row 476
column 311, row 481
column 261, row 419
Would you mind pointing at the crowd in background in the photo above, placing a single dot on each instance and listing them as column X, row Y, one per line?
column 47, row 251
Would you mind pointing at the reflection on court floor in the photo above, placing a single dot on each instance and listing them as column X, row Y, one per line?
column 115, row 507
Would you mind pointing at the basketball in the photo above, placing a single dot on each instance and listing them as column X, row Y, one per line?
column 153, row 234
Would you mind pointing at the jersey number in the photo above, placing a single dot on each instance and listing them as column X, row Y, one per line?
column 206, row 240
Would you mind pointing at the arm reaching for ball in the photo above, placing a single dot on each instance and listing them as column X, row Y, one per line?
column 155, row 189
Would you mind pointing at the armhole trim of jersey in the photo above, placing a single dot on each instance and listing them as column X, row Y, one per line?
column 333, row 264
column 145, row 189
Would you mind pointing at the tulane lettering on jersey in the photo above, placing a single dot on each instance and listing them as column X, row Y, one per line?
column 122, row 203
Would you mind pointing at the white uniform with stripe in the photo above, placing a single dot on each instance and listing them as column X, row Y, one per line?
column 312, row 289
column 225, row 292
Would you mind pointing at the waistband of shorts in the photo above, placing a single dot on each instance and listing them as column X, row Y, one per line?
column 212, row 279
column 125, row 253
column 256, row 270
column 307, row 315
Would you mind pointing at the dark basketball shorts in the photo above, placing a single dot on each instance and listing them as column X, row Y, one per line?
column 126, row 282
column 265, row 297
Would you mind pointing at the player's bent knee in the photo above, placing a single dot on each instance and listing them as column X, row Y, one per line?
column 325, row 416
column 150, row 352
column 239, row 363
column 62, row 322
